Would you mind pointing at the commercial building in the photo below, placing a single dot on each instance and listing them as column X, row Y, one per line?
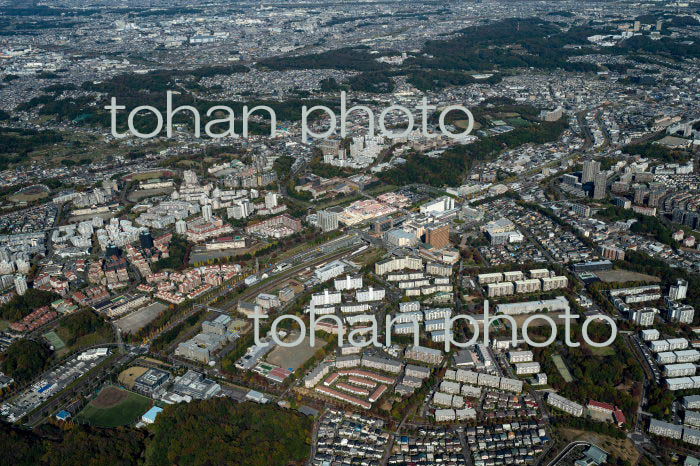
column 195, row 385
column 150, row 381
column 438, row 236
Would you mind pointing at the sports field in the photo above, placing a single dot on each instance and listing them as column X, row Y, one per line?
column 602, row 351
column 114, row 407
column 128, row 376
column 561, row 367
column 54, row 340
column 294, row 357
column 139, row 319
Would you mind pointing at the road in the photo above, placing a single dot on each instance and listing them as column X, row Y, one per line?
column 566, row 450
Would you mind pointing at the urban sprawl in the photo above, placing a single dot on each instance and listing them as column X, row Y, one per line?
column 379, row 286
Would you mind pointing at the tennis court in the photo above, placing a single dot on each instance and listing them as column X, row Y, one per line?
column 54, row 340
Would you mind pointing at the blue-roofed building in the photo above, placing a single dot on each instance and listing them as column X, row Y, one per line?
column 63, row 415
column 151, row 414
column 594, row 456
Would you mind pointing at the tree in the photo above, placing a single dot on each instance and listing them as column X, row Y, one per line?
column 228, row 433
column 25, row 359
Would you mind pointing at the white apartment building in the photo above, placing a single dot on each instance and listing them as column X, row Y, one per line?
column 564, row 404
column 348, row 283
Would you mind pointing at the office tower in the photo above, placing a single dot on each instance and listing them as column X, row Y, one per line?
column 438, row 236
column 590, row 170
column 599, row 185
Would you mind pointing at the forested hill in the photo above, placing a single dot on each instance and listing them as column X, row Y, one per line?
column 217, row 431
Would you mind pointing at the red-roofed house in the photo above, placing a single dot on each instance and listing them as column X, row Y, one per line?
column 619, row 416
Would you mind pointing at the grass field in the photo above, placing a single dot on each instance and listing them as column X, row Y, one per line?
column 561, row 367
column 149, row 175
column 128, row 377
column 30, row 194
column 114, row 407
column 604, row 351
